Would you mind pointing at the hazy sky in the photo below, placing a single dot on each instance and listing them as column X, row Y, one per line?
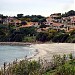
column 35, row 7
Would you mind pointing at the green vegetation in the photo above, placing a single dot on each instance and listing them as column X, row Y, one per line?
column 56, row 36
column 42, row 36
column 29, row 39
column 30, row 34
column 32, row 18
column 66, row 68
column 59, row 65
column 10, row 32
column 69, row 13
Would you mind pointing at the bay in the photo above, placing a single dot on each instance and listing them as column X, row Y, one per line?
column 10, row 53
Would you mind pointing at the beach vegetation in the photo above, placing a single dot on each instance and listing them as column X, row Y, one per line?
column 59, row 65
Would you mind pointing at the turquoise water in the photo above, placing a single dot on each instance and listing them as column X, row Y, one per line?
column 10, row 53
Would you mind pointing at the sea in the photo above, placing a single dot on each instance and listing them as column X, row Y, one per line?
column 10, row 53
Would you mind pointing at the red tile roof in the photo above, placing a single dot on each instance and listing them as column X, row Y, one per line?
column 57, row 24
column 25, row 26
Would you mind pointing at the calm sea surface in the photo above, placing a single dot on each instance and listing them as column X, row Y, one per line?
column 10, row 53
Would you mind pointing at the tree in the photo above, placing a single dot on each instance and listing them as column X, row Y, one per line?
column 60, row 37
column 28, row 31
column 69, row 13
column 19, row 15
column 43, row 26
column 1, row 15
column 35, row 19
column 42, row 36
column 23, row 23
column 42, row 20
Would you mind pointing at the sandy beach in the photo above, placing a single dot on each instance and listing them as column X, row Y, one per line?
column 46, row 51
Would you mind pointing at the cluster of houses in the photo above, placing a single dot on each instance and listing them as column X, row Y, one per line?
column 54, row 21
column 17, row 23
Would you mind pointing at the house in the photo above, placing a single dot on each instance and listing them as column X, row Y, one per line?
column 71, row 29
column 30, row 24
column 72, row 18
column 57, row 26
column 35, row 24
column 56, row 17
column 42, row 29
column 16, row 21
column 24, row 26
column 11, row 21
column 8, row 20
column 49, row 20
column 69, row 22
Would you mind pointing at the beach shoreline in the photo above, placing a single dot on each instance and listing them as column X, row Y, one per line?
column 27, row 43
column 45, row 50
column 41, row 47
column 15, row 43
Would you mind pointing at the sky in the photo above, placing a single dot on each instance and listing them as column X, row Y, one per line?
column 35, row 7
